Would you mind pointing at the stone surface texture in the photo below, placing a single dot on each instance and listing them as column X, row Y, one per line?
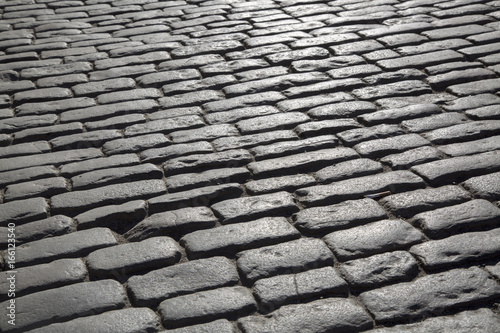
column 249, row 166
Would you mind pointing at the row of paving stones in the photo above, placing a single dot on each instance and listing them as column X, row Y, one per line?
column 250, row 166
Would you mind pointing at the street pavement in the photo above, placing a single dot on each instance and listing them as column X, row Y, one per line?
column 250, row 166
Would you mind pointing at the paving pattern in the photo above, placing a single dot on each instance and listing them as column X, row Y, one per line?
column 249, row 166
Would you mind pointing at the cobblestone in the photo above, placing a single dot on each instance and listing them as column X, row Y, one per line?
column 121, row 260
column 468, row 216
column 290, row 257
column 230, row 239
column 299, row 162
column 116, row 217
column 349, row 169
column 380, row 269
column 283, row 289
column 125, row 320
column 438, row 292
column 355, row 188
column 253, row 130
column 69, row 302
column 373, row 238
column 484, row 186
column 46, row 276
column 185, row 278
column 482, row 319
column 340, row 216
column 71, row 245
column 449, row 170
column 472, row 246
column 315, row 315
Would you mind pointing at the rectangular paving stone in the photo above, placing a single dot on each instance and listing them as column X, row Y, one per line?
column 340, row 216
column 36, row 188
column 342, row 110
column 431, row 293
column 349, row 169
column 278, row 82
column 468, row 216
column 185, row 278
column 380, row 269
column 277, row 184
column 230, row 239
column 278, row 121
column 373, row 238
column 42, row 94
column 485, row 186
column 113, row 175
column 420, row 60
column 22, row 211
column 72, row 169
column 243, row 209
column 116, row 217
column 236, row 157
column 27, row 174
column 396, row 144
column 164, row 126
column 47, row 132
column 403, row 88
column 350, row 189
column 84, row 140
column 135, row 144
column 156, row 80
column 471, row 102
column 56, row 106
column 77, row 201
column 195, row 61
column 483, row 320
column 162, row 154
column 285, row 258
column 357, row 135
column 471, row 147
column 456, row 168
column 283, row 289
column 188, row 181
column 100, row 112
column 207, row 305
column 474, row 88
column 207, row 48
column 55, row 70
column 14, row 124
column 45, row 276
column 263, row 98
column 252, row 140
column 456, row 32
column 458, row 249
column 410, row 203
column 203, row 196
column 412, row 157
column 210, row 132
column 191, row 99
column 324, row 87
column 235, row 115
column 399, row 114
column 441, row 81
column 124, row 259
column 147, row 58
column 301, row 162
column 67, row 302
column 486, row 112
column 75, row 244
column 419, row 125
column 326, row 64
column 306, row 103
column 316, row 316
column 171, row 222
column 125, row 320
column 52, row 226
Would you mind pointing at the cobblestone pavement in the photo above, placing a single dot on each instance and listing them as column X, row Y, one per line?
column 249, row 166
